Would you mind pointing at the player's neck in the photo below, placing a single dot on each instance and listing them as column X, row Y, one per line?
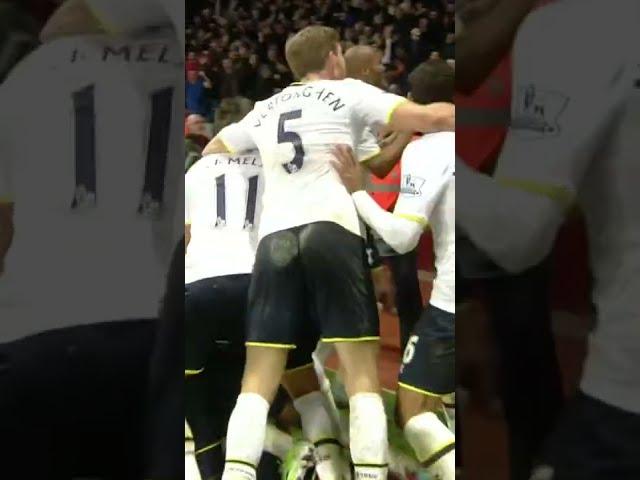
column 316, row 76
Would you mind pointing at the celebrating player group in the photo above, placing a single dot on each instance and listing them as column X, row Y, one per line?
column 276, row 267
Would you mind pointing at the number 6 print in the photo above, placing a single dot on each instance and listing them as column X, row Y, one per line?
column 410, row 351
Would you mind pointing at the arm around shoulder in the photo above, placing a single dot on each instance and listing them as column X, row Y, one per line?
column 434, row 117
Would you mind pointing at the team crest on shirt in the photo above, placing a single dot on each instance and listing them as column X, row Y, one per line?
column 538, row 112
column 412, row 185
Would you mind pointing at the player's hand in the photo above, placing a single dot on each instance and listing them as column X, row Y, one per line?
column 74, row 17
column 384, row 288
column 348, row 168
column 388, row 139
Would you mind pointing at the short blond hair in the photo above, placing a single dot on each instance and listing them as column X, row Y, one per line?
column 307, row 51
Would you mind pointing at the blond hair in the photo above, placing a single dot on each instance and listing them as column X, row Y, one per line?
column 307, row 51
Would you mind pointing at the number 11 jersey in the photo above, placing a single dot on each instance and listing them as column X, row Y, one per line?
column 296, row 132
column 223, row 202
column 92, row 157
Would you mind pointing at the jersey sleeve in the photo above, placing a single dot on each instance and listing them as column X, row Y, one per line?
column 368, row 146
column 188, row 194
column 561, row 110
column 372, row 106
column 564, row 112
column 237, row 137
column 427, row 167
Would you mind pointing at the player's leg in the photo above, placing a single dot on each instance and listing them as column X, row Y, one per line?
column 197, row 374
column 215, row 311
column 209, row 400
column 530, row 379
column 276, row 304
column 318, row 427
column 337, row 274
column 164, row 445
column 248, row 422
column 408, row 296
column 428, row 374
column 207, row 424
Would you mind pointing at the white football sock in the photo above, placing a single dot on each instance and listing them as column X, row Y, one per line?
column 277, row 442
column 245, row 437
column 368, row 426
column 429, row 437
column 318, row 428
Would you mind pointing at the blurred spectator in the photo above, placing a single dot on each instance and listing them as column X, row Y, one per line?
column 198, row 93
column 198, row 132
column 243, row 40
column 231, row 110
column 196, row 138
column 449, row 50
column 196, row 128
column 192, row 62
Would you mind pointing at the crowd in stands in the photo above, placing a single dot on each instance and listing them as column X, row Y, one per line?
column 235, row 48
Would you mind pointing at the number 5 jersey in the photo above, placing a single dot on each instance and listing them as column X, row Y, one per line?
column 296, row 131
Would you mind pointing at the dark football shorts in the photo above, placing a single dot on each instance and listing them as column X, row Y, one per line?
column 311, row 280
column 593, row 441
column 429, row 361
column 216, row 312
column 73, row 401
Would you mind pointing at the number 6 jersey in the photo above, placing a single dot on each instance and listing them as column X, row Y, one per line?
column 91, row 156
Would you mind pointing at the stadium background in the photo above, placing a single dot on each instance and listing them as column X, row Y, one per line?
column 239, row 46
column 235, row 54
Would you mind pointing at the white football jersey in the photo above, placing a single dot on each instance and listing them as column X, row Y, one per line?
column 428, row 194
column 576, row 134
column 296, row 132
column 368, row 147
column 223, row 203
column 92, row 156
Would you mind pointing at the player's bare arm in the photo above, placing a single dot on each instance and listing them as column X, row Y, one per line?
column 74, row 17
column 486, row 38
column 6, row 231
column 384, row 288
column 93, row 17
column 215, row 146
column 434, row 117
column 392, row 147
